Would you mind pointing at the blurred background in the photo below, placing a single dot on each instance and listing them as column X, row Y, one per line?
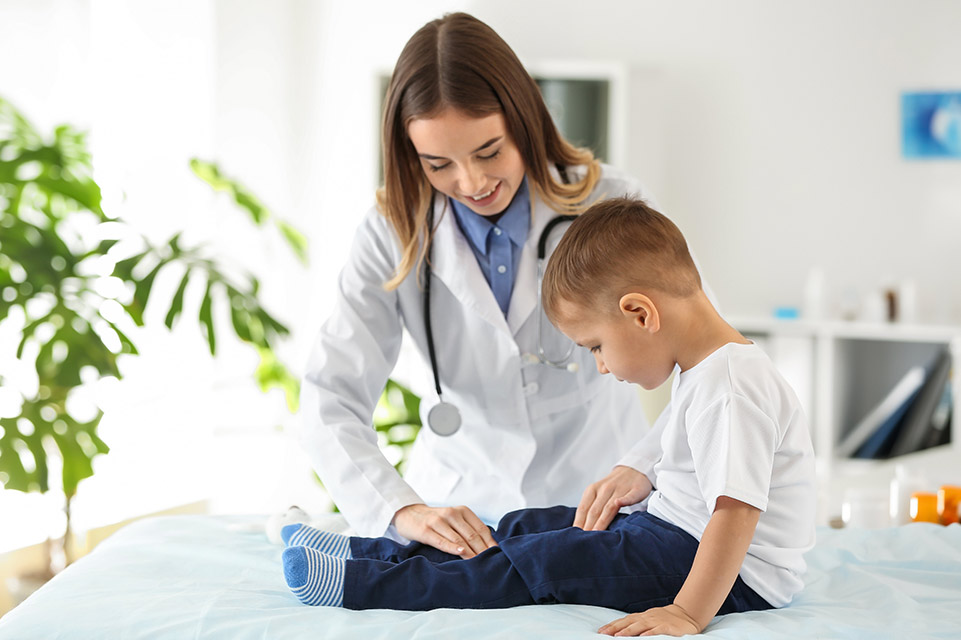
column 770, row 131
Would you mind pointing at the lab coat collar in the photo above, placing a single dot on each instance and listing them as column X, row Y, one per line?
column 524, row 296
column 454, row 264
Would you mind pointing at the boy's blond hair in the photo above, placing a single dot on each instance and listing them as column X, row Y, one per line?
column 618, row 245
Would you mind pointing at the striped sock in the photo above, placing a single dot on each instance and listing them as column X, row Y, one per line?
column 315, row 578
column 333, row 544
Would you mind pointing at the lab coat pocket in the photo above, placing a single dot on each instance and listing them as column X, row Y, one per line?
column 433, row 480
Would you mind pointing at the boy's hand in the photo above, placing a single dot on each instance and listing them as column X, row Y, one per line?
column 670, row 620
column 454, row 530
column 601, row 501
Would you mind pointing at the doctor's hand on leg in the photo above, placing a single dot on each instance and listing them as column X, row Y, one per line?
column 601, row 501
column 454, row 530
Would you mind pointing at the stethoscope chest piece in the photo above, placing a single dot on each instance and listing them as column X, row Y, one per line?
column 443, row 419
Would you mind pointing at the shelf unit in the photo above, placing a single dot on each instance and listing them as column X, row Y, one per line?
column 840, row 370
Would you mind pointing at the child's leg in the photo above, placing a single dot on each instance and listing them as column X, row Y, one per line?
column 640, row 563
column 486, row 581
column 483, row 582
column 632, row 567
column 347, row 547
column 535, row 520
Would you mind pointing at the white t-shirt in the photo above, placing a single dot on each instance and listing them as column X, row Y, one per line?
column 735, row 428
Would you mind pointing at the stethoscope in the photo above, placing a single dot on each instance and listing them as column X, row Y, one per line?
column 444, row 418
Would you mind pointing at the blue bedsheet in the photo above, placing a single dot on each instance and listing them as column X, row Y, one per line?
column 215, row 577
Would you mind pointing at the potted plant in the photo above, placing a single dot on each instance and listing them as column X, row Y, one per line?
column 59, row 250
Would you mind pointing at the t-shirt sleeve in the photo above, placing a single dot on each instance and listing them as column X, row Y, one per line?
column 733, row 444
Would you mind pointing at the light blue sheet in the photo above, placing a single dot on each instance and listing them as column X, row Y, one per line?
column 211, row 577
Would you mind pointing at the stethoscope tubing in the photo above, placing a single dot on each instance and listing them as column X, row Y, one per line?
column 444, row 418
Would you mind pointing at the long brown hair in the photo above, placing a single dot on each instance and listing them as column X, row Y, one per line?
column 459, row 62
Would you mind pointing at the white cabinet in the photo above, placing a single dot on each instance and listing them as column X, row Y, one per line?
column 841, row 370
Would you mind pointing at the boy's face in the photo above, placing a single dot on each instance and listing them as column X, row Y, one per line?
column 620, row 345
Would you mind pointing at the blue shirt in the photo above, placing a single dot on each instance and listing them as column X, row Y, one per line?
column 498, row 247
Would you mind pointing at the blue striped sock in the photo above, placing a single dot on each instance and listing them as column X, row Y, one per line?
column 333, row 544
column 315, row 578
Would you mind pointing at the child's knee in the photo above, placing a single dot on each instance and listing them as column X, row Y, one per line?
column 539, row 520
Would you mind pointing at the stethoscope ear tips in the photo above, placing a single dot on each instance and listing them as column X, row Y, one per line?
column 573, row 367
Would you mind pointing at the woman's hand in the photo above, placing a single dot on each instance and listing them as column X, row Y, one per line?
column 670, row 620
column 454, row 530
column 601, row 501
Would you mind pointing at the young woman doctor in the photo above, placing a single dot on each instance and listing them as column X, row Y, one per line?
column 474, row 170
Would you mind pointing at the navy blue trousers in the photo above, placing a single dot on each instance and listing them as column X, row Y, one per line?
column 640, row 562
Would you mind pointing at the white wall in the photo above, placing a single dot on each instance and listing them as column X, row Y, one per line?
column 779, row 141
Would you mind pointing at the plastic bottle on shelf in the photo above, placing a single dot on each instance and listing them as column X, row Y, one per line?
column 903, row 485
column 924, row 507
column 949, row 500
column 908, row 302
column 865, row 508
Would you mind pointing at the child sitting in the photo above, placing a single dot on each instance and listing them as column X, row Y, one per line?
column 729, row 468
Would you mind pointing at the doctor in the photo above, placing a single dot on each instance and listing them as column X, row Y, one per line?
column 469, row 145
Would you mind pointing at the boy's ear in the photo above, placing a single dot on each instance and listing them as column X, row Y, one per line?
column 641, row 310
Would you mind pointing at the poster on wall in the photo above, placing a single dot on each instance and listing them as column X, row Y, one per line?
column 931, row 124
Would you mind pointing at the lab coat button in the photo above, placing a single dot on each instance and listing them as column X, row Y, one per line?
column 531, row 389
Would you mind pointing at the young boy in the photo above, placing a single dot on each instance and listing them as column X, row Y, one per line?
column 728, row 467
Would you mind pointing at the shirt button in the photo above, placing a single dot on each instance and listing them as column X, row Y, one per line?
column 497, row 231
column 502, row 269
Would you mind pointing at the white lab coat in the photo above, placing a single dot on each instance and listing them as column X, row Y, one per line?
column 532, row 435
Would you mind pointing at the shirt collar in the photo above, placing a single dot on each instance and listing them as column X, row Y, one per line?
column 515, row 222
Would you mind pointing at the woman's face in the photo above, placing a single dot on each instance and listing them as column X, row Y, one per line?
column 470, row 159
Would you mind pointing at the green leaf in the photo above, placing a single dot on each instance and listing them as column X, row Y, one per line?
column 142, row 293
column 207, row 320
column 177, row 304
column 294, row 238
column 397, row 418
column 239, row 316
column 17, row 477
column 124, row 268
column 77, row 462
column 85, row 192
column 28, row 332
column 271, row 373
column 250, row 202
column 44, row 186
column 127, row 345
column 174, row 243
column 271, row 324
column 103, row 247
column 210, row 173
